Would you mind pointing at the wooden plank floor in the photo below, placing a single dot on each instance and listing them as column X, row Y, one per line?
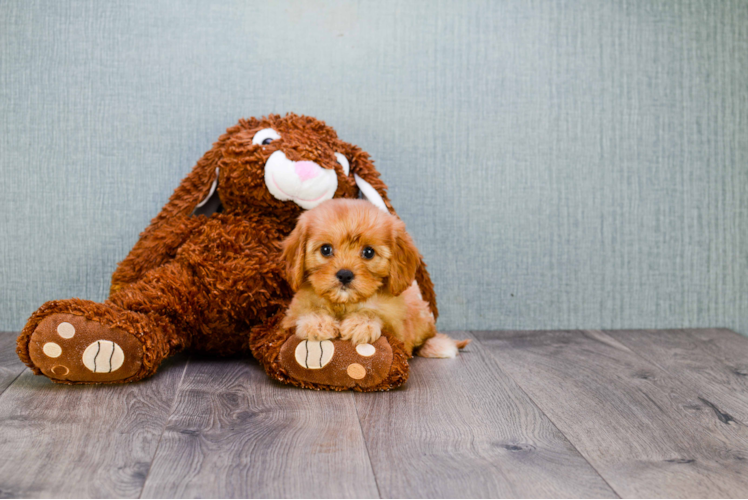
column 658, row 413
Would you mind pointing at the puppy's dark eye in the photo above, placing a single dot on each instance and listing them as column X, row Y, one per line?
column 267, row 141
column 368, row 253
column 326, row 250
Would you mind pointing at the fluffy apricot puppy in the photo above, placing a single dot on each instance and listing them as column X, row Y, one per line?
column 353, row 267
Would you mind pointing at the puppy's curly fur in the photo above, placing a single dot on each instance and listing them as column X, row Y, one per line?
column 353, row 268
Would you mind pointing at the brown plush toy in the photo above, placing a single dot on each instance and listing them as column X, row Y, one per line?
column 207, row 274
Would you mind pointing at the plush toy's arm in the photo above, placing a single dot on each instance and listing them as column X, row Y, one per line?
column 157, row 245
column 173, row 225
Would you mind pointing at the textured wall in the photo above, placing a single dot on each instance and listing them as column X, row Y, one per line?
column 560, row 164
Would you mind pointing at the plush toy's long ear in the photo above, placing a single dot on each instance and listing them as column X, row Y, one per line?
column 294, row 250
column 367, row 179
column 367, row 192
column 212, row 202
column 199, row 185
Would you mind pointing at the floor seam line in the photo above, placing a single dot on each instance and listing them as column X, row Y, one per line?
column 13, row 381
column 366, row 446
column 163, row 430
column 519, row 386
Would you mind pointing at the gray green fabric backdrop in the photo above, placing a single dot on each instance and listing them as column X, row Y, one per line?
column 560, row 164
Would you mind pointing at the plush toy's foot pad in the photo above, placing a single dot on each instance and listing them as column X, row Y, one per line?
column 337, row 363
column 68, row 347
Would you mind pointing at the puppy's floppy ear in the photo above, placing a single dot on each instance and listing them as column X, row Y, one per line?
column 404, row 262
column 294, row 250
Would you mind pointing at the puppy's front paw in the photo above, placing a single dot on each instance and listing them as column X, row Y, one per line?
column 361, row 329
column 316, row 327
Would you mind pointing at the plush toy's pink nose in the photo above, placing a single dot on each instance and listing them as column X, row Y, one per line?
column 306, row 170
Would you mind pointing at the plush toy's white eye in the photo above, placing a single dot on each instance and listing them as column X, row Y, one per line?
column 265, row 136
column 343, row 163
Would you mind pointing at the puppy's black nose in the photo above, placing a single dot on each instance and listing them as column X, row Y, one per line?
column 345, row 276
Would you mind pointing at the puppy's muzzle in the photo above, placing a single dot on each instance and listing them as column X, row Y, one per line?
column 345, row 276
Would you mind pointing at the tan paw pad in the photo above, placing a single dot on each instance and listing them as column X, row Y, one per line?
column 366, row 350
column 356, row 371
column 52, row 350
column 65, row 330
column 103, row 356
column 314, row 355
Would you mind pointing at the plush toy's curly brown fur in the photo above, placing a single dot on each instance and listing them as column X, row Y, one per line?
column 217, row 284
